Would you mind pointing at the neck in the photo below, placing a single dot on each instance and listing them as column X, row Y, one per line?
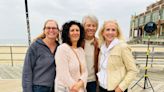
column 89, row 37
column 107, row 44
column 74, row 45
column 49, row 42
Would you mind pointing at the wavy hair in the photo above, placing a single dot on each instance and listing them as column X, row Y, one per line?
column 65, row 33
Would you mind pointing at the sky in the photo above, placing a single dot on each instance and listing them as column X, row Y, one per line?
column 13, row 19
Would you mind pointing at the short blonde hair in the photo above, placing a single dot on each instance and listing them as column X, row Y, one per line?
column 92, row 18
column 119, row 36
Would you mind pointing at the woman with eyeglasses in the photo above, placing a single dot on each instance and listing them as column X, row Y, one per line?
column 39, row 64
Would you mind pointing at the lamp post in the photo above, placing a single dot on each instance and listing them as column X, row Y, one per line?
column 150, row 27
column 28, row 24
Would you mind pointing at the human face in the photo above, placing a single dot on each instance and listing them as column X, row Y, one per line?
column 51, row 31
column 110, row 32
column 74, row 33
column 90, row 29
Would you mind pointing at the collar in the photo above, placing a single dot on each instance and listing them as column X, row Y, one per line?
column 105, row 49
column 90, row 41
column 40, row 41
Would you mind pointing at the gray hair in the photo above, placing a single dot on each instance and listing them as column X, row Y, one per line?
column 90, row 17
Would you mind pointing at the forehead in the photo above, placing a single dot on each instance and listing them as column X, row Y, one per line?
column 110, row 25
column 51, row 23
column 90, row 21
column 74, row 26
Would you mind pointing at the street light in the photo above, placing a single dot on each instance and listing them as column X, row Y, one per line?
column 28, row 24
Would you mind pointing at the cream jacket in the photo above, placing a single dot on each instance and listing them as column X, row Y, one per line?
column 121, row 68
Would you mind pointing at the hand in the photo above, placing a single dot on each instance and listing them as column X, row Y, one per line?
column 117, row 89
column 75, row 88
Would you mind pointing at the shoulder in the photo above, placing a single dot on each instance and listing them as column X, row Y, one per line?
column 123, row 46
column 81, row 49
column 63, row 48
column 33, row 46
column 96, row 41
column 62, row 51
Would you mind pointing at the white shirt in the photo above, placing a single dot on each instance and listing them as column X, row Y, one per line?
column 102, row 74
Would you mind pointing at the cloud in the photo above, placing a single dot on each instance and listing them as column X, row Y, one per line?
column 13, row 20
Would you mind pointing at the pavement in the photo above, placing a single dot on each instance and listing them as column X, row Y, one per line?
column 155, row 78
column 10, row 79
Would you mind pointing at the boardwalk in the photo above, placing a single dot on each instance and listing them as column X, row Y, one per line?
column 156, row 76
column 10, row 79
column 10, row 85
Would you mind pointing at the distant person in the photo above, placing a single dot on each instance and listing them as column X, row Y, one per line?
column 39, row 65
column 71, row 70
column 91, row 49
column 117, row 67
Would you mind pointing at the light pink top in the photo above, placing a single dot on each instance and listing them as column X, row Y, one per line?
column 68, row 68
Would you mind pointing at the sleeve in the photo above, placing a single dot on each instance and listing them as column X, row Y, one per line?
column 62, row 67
column 84, row 74
column 28, row 70
column 130, row 65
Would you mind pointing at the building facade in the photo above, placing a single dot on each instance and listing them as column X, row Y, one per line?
column 154, row 13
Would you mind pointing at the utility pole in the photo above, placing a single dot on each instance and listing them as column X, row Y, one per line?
column 28, row 24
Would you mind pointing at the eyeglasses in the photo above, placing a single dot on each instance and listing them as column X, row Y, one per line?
column 53, row 28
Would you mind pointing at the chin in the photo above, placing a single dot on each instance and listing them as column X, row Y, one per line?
column 110, row 40
column 91, row 35
column 52, row 37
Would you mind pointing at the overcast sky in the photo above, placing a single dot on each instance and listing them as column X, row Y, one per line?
column 13, row 19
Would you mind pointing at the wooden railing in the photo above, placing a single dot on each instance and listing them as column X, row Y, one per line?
column 13, row 54
column 153, row 57
column 155, row 54
column 16, row 54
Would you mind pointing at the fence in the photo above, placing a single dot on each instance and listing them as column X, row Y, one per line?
column 155, row 55
column 13, row 54
column 16, row 54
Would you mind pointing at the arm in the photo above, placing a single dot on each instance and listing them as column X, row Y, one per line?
column 27, row 70
column 84, row 74
column 130, row 66
column 81, row 83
